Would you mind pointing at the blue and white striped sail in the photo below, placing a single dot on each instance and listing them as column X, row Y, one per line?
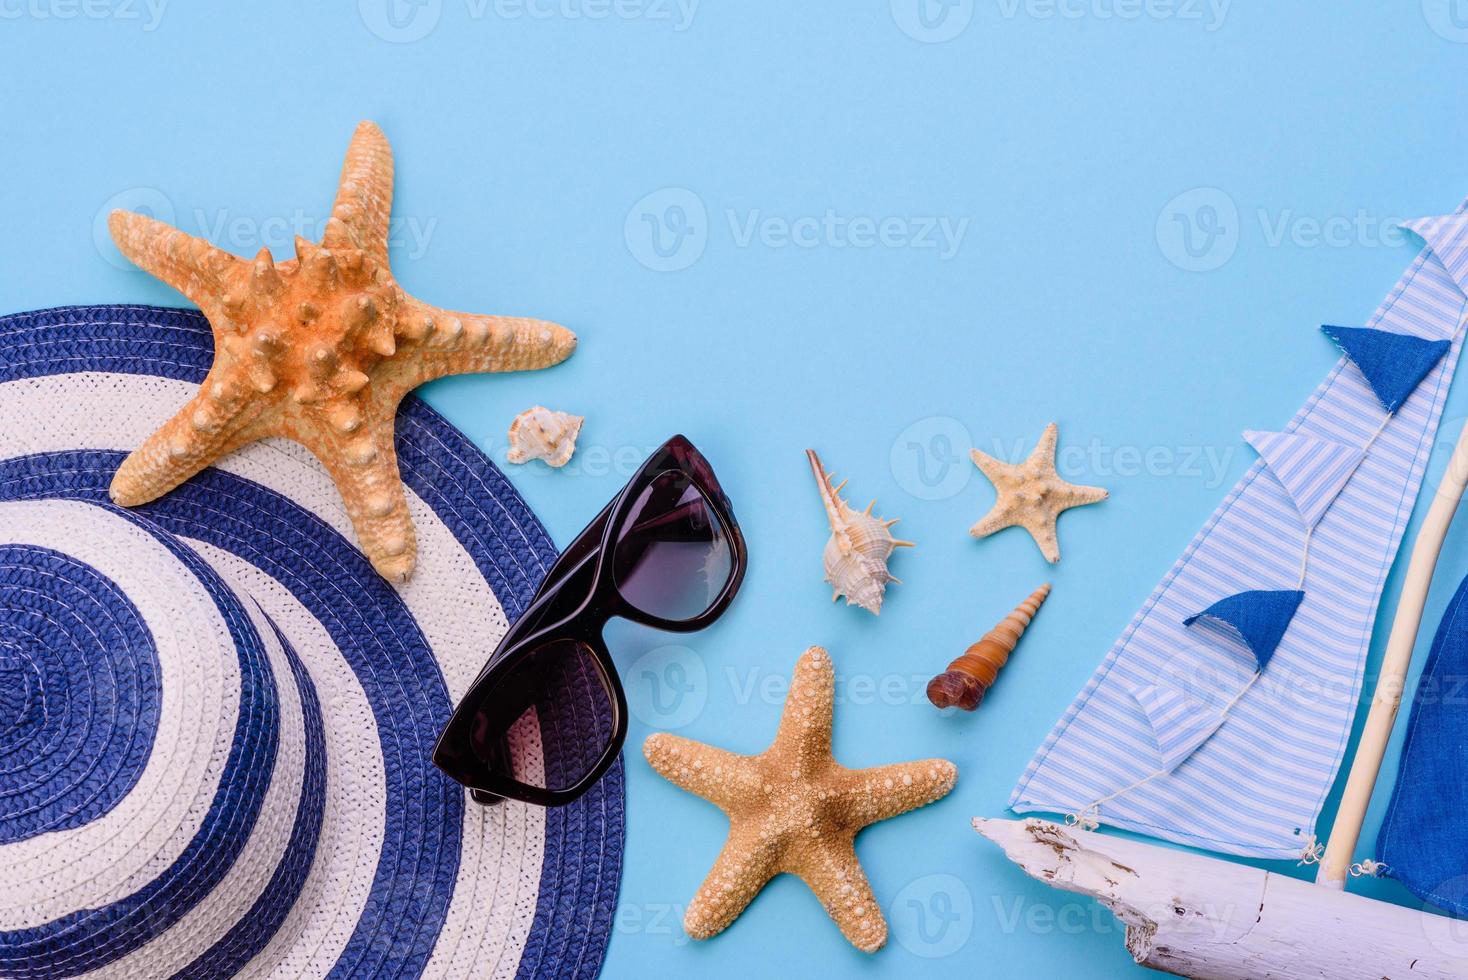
column 1227, row 734
column 1314, row 471
column 1179, row 723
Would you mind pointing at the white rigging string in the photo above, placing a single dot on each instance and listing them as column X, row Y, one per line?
column 1087, row 818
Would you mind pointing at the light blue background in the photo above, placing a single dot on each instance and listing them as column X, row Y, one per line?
column 1060, row 135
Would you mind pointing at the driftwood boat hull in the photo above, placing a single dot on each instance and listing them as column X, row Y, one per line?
column 1201, row 917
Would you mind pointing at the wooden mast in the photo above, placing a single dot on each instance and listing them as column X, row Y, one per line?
column 1336, row 864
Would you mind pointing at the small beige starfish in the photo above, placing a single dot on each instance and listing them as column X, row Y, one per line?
column 319, row 349
column 1031, row 495
column 793, row 808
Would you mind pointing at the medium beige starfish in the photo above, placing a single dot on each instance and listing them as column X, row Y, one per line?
column 319, row 349
column 1031, row 495
column 795, row 809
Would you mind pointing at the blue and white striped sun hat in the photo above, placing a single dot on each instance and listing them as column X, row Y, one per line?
column 216, row 719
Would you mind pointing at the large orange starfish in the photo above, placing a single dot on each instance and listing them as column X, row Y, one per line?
column 319, row 349
column 793, row 808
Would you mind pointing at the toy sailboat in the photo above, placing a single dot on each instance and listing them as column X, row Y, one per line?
column 1220, row 717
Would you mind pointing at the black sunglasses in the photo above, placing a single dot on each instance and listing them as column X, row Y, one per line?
column 666, row 552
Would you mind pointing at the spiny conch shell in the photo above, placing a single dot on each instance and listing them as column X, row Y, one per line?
column 969, row 677
column 539, row 433
column 856, row 555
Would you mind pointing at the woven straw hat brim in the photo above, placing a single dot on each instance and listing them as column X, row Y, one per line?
column 214, row 749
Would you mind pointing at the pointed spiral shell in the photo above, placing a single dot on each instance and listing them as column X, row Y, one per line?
column 969, row 677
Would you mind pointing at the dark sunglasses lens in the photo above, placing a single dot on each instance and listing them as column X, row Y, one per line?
column 548, row 720
column 672, row 557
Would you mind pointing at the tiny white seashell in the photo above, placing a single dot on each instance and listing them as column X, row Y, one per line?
column 856, row 554
column 540, row 433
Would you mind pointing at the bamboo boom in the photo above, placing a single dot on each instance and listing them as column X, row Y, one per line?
column 1336, row 863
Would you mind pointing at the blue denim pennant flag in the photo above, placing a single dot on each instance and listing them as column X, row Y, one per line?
column 1393, row 363
column 1258, row 617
